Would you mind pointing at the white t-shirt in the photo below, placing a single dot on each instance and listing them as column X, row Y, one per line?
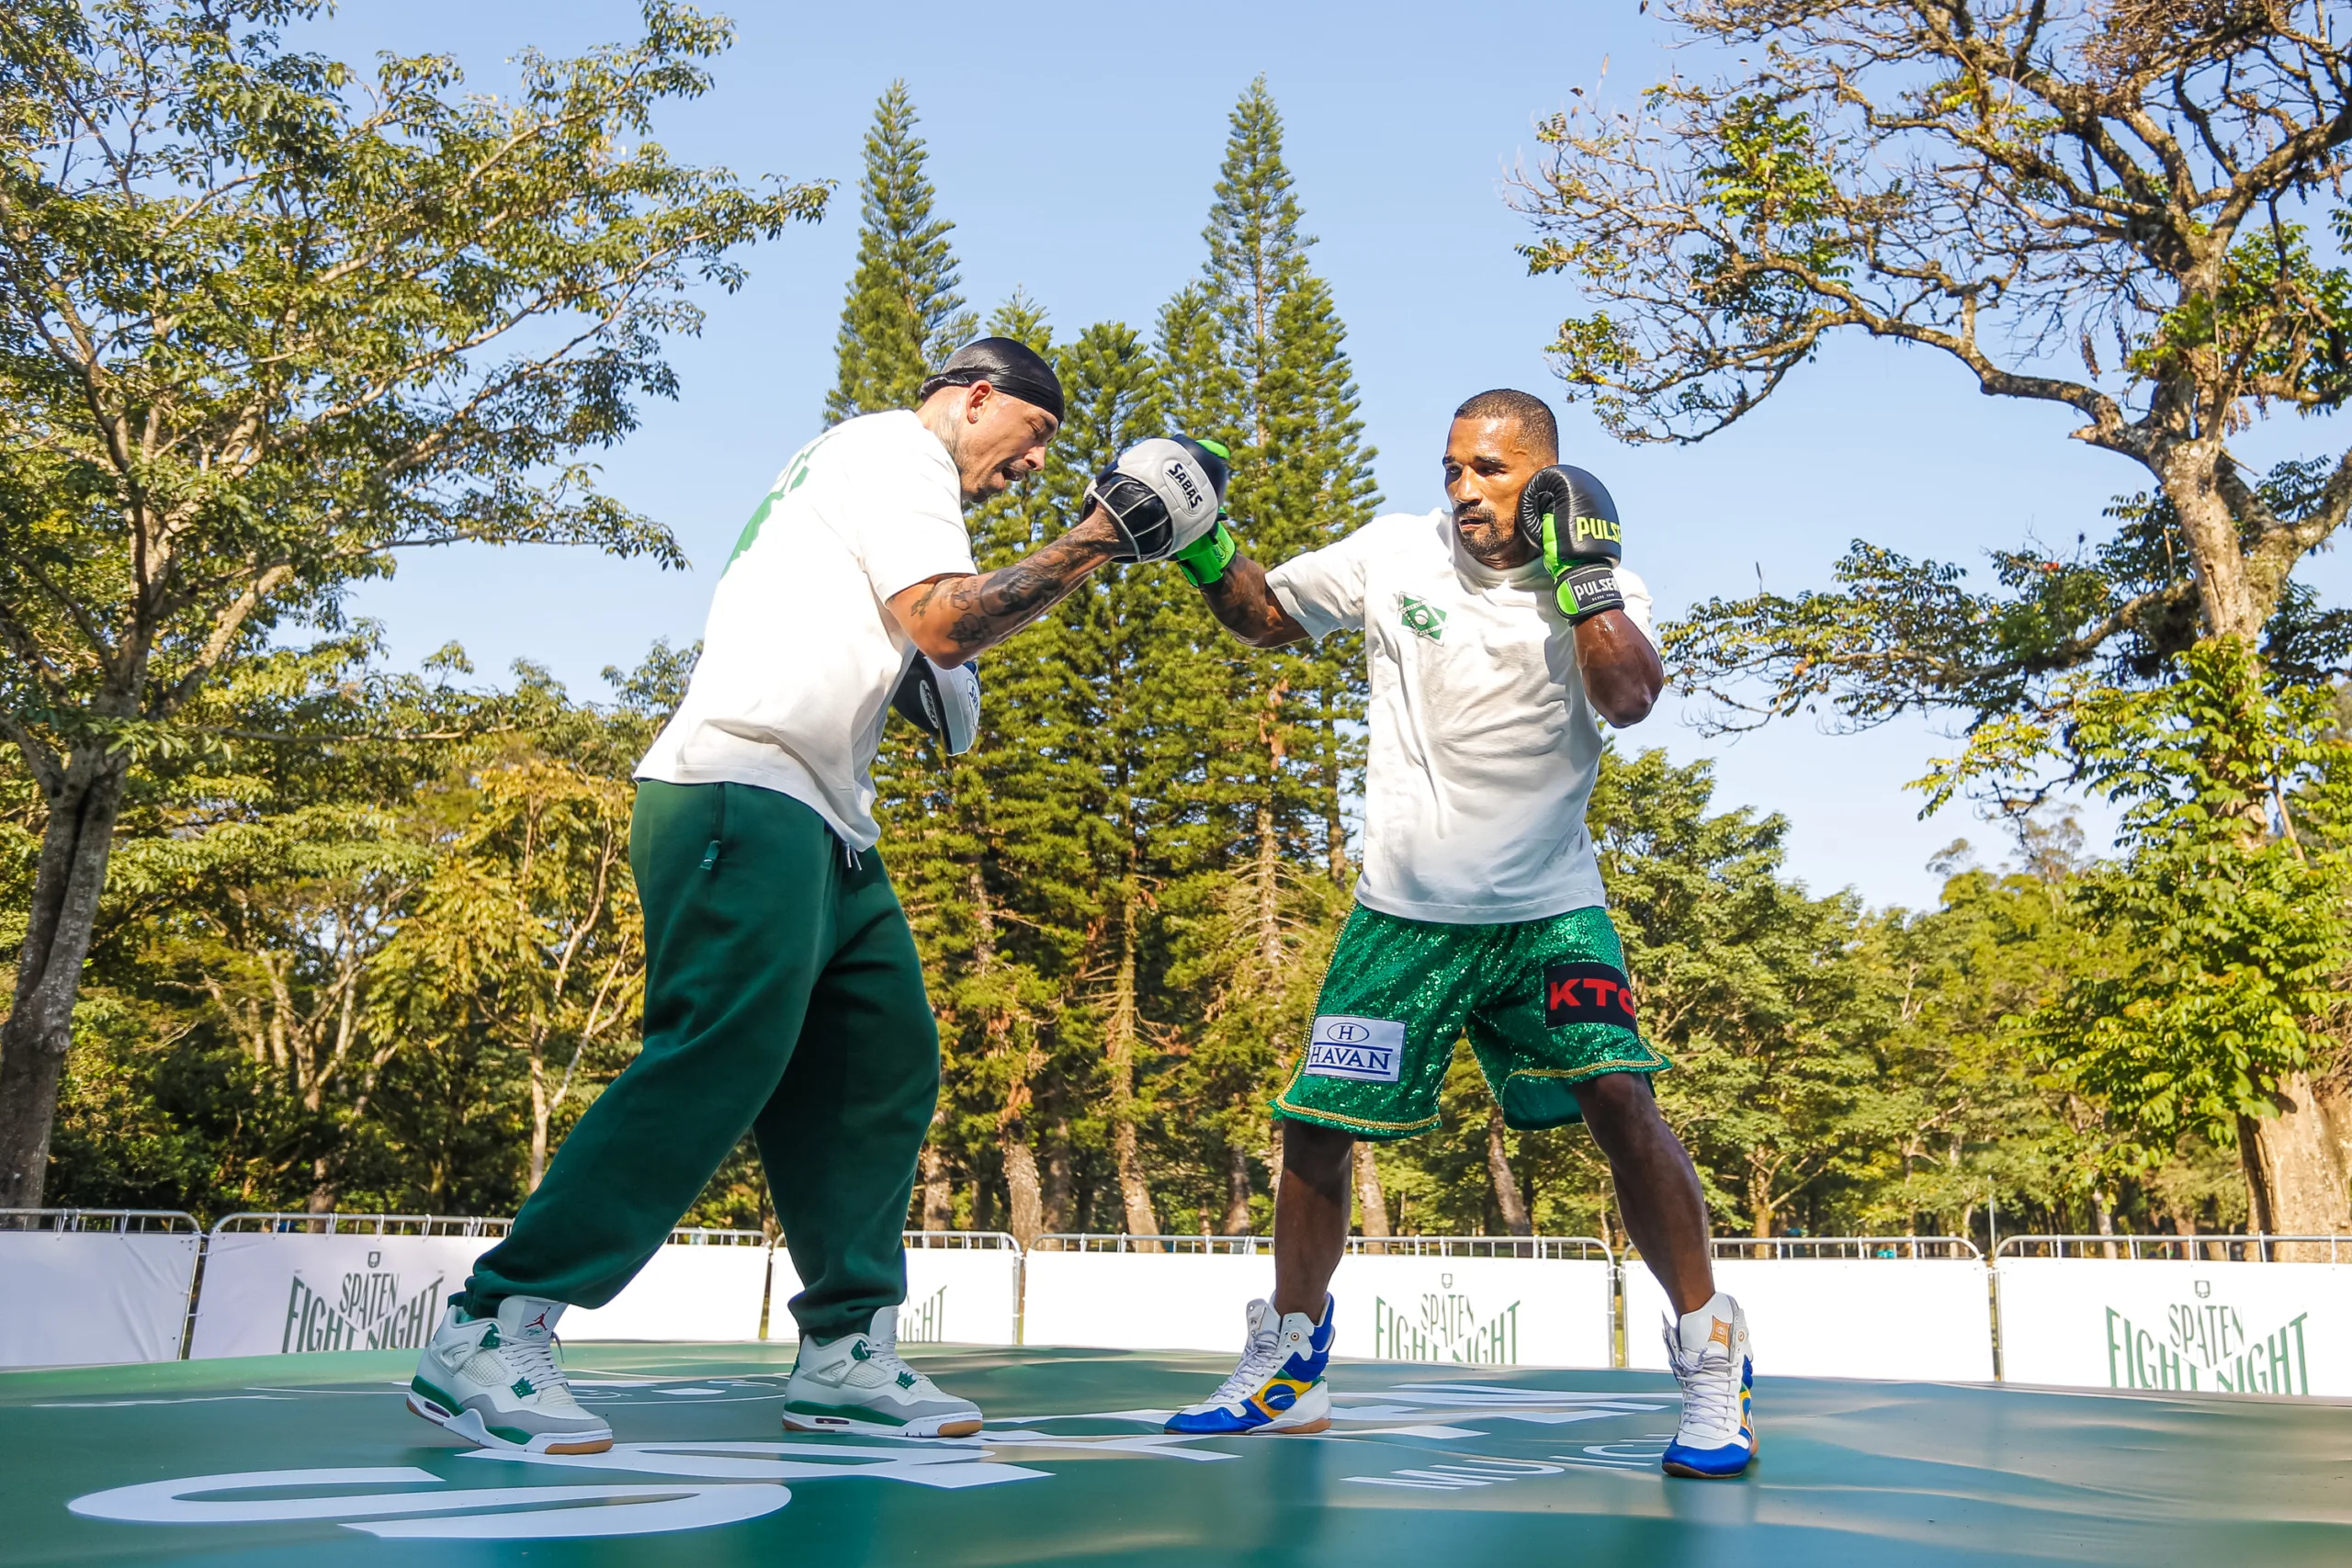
column 799, row 657
column 1484, row 745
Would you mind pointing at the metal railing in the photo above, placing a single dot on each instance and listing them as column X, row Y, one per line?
column 1575, row 1248
column 2215, row 1248
column 114, row 1222
column 690, row 1236
column 959, row 1241
column 1532, row 1246
column 1909, row 1249
column 1194, row 1245
column 291, row 1222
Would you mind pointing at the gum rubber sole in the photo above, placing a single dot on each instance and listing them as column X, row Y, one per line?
column 468, row 1424
column 842, row 1426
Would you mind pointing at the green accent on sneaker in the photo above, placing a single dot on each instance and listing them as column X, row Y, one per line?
column 490, row 1340
column 906, row 1379
column 511, row 1434
column 849, row 1411
column 441, row 1397
column 522, row 1387
column 861, row 1351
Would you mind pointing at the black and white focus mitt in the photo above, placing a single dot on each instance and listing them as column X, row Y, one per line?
column 1162, row 494
column 945, row 703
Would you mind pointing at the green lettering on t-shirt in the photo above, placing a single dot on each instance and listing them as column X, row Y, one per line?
column 794, row 472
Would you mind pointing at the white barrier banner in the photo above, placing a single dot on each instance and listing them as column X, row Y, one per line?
column 692, row 1290
column 268, row 1293
column 1503, row 1311
column 1467, row 1311
column 1143, row 1301
column 1834, row 1317
column 78, row 1298
column 2199, row 1327
column 960, row 1296
column 275, row 1292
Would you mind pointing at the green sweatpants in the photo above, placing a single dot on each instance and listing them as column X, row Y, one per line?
column 783, row 996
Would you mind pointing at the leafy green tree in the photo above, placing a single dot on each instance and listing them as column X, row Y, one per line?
column 530, row 911
column 1748, row 985
column 263, row 323
column 1999, row 184
column 904, row 314
column 2231, row 906
column 1967, row 1116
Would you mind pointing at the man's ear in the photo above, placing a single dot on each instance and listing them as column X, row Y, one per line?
column 977, row 400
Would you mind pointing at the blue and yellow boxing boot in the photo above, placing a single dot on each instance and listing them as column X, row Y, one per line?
column 1713, row 1360
column 1278, row 1387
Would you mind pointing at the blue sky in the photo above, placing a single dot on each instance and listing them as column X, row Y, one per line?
column 1075, row 145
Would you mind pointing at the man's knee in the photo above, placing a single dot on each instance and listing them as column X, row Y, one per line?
column 1313, row 1150
column 1615, row 1100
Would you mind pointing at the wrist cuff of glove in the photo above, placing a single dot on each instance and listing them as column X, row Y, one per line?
column 1585, row 588
column 1203, row 561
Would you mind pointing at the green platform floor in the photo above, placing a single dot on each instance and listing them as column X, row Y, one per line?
column 304, row 1460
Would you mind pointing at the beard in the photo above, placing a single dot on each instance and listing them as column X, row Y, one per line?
column 1484, row 536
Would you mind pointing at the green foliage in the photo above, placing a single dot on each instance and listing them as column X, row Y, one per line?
column 1899, row 635
column 904, row 314
column 368, row 941
column 261, row 323
column 2231, row 906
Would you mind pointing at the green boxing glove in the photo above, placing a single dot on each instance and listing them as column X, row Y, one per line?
column 1205, row 559
column 1566, row 513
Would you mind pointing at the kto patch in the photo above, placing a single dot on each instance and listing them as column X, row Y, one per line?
column 1587, row 992
column 1369, row 1050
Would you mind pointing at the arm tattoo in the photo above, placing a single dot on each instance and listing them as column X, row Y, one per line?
column 991, row 605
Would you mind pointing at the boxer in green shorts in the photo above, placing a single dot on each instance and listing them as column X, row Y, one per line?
column 1414, row 987
column 1501, row 634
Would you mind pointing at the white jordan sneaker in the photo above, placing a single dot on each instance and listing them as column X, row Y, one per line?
column 1716, row 1367
column 857, row 1383
column 494, row 1381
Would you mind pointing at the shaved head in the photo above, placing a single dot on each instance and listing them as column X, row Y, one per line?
column 1526, row 412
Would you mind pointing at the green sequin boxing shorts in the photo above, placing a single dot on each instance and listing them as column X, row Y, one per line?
column 1545, row 1003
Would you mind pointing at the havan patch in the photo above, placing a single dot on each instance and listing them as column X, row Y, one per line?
column 1369, row 1050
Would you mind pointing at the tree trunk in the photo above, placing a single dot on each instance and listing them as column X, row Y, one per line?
column 1236, row 1190
column 938, row 1195
column 1119, row 1045
column 542, row 1110
column 1369, row 1198
column 1335, row 827
column 322, row 1192
column 1024, row 1194
column 2294, row 1166
column 1507, row 1195
column 75, row 844
column 2105, row 1219
column 1267, row 874
column 1057, row 1194
column 1760, row 1204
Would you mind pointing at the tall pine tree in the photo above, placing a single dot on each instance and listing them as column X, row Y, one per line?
column 1255, row 355
column 903, row 313
column 902, row 316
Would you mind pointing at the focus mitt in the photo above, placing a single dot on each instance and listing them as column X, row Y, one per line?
column 945, row 703
column 1163, row 496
